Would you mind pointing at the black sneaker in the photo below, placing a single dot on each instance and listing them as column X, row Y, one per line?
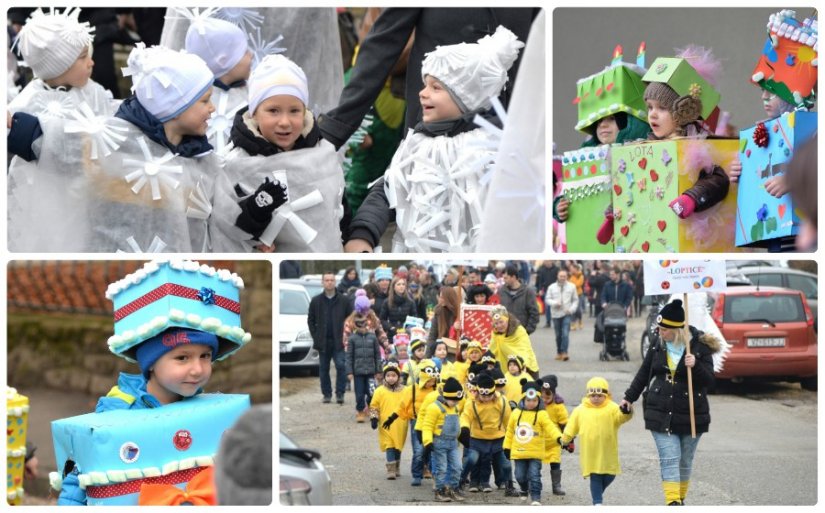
column 339, row 399
column 327, row 399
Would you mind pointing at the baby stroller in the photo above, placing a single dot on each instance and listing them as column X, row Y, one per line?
column 615, row 328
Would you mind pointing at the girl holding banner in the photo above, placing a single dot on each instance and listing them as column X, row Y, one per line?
column 665, row 377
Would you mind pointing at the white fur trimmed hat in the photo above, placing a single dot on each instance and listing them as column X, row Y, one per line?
column 219, row 43
column 51, row 42
column 276, row 75
column 474, row 72
column 167, row 82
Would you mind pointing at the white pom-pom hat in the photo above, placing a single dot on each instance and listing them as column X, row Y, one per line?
column 474, row 72
column 167, row 82
column 51, row 42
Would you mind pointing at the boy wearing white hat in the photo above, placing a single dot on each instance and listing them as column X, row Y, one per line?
column 141, row 180
column 284, row 187
column 223, row 47
column 437, row 181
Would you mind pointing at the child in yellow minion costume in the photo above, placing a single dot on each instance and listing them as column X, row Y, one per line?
column 596, row 421
column 474, row 352
column 418, row 348
column 409, row 410
column 515, row 373
column 439, row 431
column 483, row 426
column 525, row 442
column 385, row 401
column 554, row 405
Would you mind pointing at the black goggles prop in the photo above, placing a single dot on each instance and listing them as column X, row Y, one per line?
column 596, row 391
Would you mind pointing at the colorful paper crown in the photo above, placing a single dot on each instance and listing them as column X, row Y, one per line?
column 176, row 293
column 618, row 88
column 789, row 60
column 383, row 272
column 680, row 76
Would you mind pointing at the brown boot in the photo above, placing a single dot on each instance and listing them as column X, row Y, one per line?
column 442, row 496
column 391, row 470
column 559, row 356
column 427, row 473
column 397, row 464
column 564, row 357
column 360, row 417
column 455, row 495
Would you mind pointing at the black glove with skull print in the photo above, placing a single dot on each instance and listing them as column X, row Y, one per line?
column 256, row 210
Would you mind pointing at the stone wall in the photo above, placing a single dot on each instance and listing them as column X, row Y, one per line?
column 69, row 352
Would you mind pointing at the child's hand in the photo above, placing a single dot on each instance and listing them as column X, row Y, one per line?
column 776, row 186
column 8, row 120
column 625, row 406
column 735, row 170
column 349, row 377
column 562, row 209
column 264, row 248
column 570, row 446
column 683, row 206
column 374, row 422
column 387, row 423
column 357, row 246
column 690, row 361
column 366, row 143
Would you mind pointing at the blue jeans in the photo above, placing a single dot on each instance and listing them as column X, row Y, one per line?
column 562, row 326
column 529, row 470
column 393, row 455
column 675, row 455
column 481, row 455
column 446, row 462
column 547, row 315
column 362, row 390
column 598, row 484
column 340, row 359
column 417, row 466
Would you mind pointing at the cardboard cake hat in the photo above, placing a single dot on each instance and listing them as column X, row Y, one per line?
column 617, row 88
column 678, row 74
column 789, row 61
column 176, row 293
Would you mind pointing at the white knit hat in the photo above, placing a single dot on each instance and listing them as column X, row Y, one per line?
column 167, row 82
column 276, row 75
column 51, row 42
column 219, row 43
column 474, row 72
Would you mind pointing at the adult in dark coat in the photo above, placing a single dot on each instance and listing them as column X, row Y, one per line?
column 616, row 290
column 546, row 276
column 327, row 313
column 663, row 378
column 519, row 299
column 398, row 306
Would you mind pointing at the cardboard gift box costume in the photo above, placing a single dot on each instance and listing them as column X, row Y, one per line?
column 158, row 455
column 17, row 423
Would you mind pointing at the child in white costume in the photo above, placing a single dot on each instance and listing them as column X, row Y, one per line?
column 140, row 180
column 58, row 49
column 438, row 179
column 283, row 185
column 223, row 47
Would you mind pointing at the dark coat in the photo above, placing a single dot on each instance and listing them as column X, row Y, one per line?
column 621, row 293
column 521, row 304
column 546, row 276
column 317, row 320
column 393, row 317
column 709, row 189
column 383, row 45
column 666, row 407
column 363, row 354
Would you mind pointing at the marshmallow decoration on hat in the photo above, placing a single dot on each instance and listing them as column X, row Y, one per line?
column 176, row 293
column 474, row 72
column 790, row 57
column 167, row 82
column 277, row 75
column 219, row 43
column 51, row 42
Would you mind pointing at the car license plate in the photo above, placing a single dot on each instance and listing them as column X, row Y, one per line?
column 766, row 342
column 284, row 348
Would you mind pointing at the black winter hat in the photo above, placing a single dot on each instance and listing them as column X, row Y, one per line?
column 488, row 357
column 498, row 377
column 672, row 315
column 452, row 389
column 485, row 384
column 529, row 389
column 550, row 382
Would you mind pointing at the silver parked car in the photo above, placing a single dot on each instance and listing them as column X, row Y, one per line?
column 786, row 277
column 304, row 480
column 295, row 346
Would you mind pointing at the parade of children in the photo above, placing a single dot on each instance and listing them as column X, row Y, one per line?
column 492, row 418
column 220, row 145
column 685, row 143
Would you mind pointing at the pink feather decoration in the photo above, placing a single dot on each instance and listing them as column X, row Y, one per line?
column 695, row 159
column 703, row 61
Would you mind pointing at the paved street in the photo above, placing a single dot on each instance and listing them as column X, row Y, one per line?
column 761, row 448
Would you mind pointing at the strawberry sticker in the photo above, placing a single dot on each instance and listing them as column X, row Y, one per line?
column 643, row 163
column 625, row 230
column 654, row 176
column 782, row 209
column 662, row 225
column 645, row 246
column 617, row 189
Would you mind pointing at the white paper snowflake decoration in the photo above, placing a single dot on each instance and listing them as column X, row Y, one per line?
column 153, row 171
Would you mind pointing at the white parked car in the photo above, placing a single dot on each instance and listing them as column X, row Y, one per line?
column 304, row 480
column 295, row 346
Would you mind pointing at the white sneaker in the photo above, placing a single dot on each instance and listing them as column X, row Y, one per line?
column 535, row 503
column 487, row 489
column 524, row 497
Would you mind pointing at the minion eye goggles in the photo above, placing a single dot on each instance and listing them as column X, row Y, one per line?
column 531, row 394
column 486, row 391
column 596, row 391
